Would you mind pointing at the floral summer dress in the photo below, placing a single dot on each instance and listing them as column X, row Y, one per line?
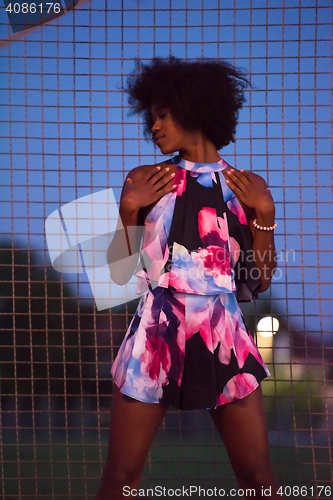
column 187, row 343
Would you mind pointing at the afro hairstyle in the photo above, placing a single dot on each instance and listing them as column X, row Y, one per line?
column 202, row 95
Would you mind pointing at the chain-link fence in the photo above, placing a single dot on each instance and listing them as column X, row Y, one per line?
column 65, row 135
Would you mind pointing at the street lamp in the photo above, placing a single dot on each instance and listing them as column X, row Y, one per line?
column 266, row 328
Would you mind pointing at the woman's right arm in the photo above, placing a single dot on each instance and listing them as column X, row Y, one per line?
column 122, row 255
column 143, row 186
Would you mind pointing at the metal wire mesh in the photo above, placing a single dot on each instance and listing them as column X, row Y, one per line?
column 65, row 134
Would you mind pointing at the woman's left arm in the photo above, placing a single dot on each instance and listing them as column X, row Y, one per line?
column 252, row 191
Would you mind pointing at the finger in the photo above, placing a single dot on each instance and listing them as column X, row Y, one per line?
column 233, row 181
column 152, row 172
column 169, row 186
column 163, row 178
column 165, row 190
column 246, row 174
column 164, row 181
column 234, row 188
column 157, row 176
column 156, row 173
column 238, row 178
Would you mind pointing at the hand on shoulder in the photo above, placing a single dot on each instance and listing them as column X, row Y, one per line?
column 145, row 184
column 251, row 189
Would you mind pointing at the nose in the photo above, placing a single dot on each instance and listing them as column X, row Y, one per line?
column 156, row 126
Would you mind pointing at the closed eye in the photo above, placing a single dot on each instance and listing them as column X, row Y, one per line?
column 160, row 116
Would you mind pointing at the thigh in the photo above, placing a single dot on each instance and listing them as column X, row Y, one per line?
column 242, row 426
column 133, row 425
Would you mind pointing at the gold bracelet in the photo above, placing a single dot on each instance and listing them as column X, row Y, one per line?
column 264, row 228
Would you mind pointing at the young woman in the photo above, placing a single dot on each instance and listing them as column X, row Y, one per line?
column 208, row 243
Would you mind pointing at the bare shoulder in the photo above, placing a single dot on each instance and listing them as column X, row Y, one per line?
column 143, row 170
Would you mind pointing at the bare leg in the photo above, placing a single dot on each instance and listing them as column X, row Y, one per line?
column 133, row 426
column 242, row 426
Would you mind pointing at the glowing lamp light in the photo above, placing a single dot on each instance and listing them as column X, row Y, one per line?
column 268, row 326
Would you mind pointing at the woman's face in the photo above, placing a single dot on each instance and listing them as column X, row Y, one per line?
column 168, row 135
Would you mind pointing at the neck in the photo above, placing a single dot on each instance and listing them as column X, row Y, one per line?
column 201, row 150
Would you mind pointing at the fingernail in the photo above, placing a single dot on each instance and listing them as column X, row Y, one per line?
column 158, row 167
column 172, row 175
column 167, row 169
column 174, row 186
column 227, row 181
column 242, row 170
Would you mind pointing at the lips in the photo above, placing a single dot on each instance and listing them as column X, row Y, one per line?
column 157, row 138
